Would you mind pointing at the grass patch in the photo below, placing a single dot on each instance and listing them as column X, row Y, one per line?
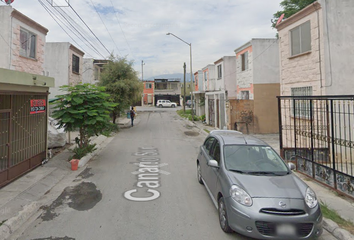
column 207, row 130
column 334, row 216
column 187, row 114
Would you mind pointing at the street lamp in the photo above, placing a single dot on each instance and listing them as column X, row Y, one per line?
column 190, row 56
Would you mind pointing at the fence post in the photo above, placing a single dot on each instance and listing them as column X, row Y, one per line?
column 280, row 128
column 312, row 151
column 333, row 148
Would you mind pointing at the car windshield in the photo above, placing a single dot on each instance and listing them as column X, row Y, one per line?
column 257, row 160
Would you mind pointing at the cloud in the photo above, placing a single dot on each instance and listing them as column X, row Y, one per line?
column 137, row 29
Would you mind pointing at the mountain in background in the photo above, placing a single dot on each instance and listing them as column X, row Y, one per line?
column 173, row 75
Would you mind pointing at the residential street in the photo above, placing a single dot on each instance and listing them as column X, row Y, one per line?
column 183, row 211
column 95, row 205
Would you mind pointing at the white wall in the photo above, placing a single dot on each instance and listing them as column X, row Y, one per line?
column 57, row 65
column 88, row 73
column 338, row 35
column 265, row 61
column 229, row 76
column 5, row 40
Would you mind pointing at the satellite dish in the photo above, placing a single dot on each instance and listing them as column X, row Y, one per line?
column 279, row 20
column 9, row 1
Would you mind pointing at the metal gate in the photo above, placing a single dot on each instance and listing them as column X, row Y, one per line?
column 317, row 134
column 211, row 112
column 23, row 135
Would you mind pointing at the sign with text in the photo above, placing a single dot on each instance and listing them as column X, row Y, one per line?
column 38, row 106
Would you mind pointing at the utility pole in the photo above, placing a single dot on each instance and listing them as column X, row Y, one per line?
column 184, row 87
column 142, row 70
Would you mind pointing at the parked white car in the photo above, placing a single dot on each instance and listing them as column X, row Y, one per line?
column 165, row 103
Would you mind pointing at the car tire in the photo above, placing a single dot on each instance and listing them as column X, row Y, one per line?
column 173, row 105
column 160, row 106
column 224, row 223
column 199, row 174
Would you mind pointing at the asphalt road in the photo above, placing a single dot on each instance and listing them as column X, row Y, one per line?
column 110, row 202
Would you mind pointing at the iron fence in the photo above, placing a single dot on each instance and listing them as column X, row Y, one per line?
column 317, row 134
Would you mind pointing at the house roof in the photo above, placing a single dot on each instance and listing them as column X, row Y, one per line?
column 299, row 15
column 23, row 18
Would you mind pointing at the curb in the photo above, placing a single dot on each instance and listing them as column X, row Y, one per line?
column 336, row 231
column 12, row 224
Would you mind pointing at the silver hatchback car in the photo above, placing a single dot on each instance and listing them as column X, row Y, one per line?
column 254, row 190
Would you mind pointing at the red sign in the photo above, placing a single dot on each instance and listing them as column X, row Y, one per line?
column 38, row 106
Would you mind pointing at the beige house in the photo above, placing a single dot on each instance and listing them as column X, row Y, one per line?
column 257, row 85
column 316, row 50
column 23, row 95
column 64, row 62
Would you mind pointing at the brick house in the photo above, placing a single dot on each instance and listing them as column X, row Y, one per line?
column 23, row 95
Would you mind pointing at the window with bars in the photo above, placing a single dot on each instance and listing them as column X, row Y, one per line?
column 300, row 38
column 28, row 44
column 76, row 64
column 148, row 86
column 302, row 106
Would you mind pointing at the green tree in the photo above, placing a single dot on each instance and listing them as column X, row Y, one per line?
column 84, row 107
column 290, row 7
column 122, row 83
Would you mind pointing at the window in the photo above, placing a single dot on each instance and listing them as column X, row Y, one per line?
column 244, row 59
column 208, row 143
column 215, row 152
column 76, row 62
column 148, row 86
column 301, row 38
column 28, row 44
column 245, row 95
column 302, row 106
column 219, row 72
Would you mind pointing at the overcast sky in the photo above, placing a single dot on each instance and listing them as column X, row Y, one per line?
column 137, row 28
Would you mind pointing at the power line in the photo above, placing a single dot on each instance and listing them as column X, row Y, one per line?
column 116, row 15
column 105, row 26
column 72, row 28
column 51, row 14
column 89, row 28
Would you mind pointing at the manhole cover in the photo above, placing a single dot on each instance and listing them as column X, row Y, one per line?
column 190, row 133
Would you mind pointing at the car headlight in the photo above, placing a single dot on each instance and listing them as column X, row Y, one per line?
column 240, row 196
column 310, row 198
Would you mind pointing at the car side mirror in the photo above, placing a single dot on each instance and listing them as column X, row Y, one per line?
column 213, row 163
column 291, row 166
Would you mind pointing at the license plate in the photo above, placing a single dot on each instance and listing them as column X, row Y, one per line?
column 286, row 230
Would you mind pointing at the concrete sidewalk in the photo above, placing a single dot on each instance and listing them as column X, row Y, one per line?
column 22, row 198
column 342, row 205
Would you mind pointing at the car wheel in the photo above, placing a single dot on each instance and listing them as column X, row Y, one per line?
column 224, row 223
column 160, row 106
column 199, row 174
column 173, row 105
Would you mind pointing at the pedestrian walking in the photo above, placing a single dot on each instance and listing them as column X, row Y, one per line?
column 132, row 115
